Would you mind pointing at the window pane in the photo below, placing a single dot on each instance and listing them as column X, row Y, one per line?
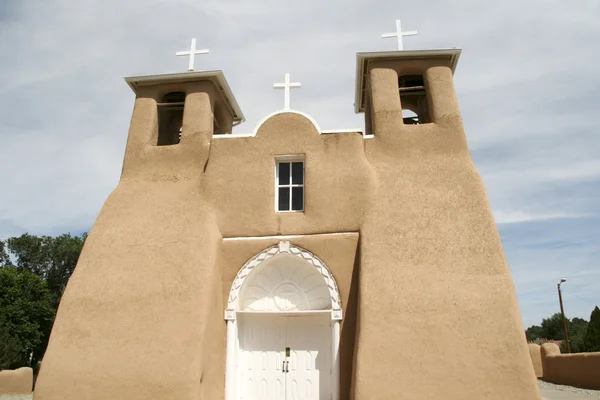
column 298, row 198
column 284, row 199
column 284, row 173
column 298, row 173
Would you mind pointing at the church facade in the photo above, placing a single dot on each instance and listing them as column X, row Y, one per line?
column 293, row 263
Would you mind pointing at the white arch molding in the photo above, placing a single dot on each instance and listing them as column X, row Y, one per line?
column 282, row 279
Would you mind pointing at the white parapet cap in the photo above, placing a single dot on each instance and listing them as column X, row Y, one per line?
column 362, row 63
column 216, row 77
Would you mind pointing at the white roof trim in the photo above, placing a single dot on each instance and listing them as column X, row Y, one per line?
column 284, row 111
column 356, row 130
column 363, row 58
column 217, row 77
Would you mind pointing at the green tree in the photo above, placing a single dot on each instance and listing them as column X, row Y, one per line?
column 10, row 347
column 533, row 333
column 577, row 328
column 591, row 341
column 27, row 310
column 51, row 258
column 4, row 259
column 552, row 328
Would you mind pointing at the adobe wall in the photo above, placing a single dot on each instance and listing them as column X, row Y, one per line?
column 579, row 369
column 239, row 179
column 18, row 381
column 142, row 316
column 535, row 352
column 432, row 265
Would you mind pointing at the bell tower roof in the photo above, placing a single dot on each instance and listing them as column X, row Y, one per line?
column 445, row 56
column 216, row 77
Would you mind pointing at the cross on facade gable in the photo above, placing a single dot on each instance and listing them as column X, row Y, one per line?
column 192, row 52
column 399, row 34
column 286, row 86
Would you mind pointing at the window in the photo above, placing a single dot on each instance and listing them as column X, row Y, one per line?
column 289, row 182
column 170, row 118
column 414, row 99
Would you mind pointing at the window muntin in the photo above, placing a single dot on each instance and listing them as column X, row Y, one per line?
column 290, row 185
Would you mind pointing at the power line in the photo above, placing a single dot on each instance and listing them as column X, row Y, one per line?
column 583, row 298
column 588, row 284
column 580, row 271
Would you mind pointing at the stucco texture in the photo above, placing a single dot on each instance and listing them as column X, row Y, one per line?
column 402, row 221
column 535, row 352
column 580, row 369
column 17, row 381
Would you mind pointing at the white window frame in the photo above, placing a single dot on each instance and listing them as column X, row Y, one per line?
column 290, row 159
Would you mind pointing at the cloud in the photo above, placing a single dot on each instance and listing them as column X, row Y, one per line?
column 514, row 217
column 527, row 83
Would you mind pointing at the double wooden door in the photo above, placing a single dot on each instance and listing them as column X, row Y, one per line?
column 284, row 357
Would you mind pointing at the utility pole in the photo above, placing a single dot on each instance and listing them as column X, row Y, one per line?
column 562, row 311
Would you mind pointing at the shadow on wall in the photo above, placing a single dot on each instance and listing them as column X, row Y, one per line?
column 18, row 381
column 579, row 370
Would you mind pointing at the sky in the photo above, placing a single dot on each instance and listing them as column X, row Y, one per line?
column 528, row 84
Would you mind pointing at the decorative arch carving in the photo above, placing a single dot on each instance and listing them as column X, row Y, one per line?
column 283, row 248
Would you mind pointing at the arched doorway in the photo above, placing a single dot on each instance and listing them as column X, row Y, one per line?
column 283, row 328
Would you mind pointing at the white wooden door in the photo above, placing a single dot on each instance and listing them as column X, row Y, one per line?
column 266, row 372
column 308, row 374
column 260, row 362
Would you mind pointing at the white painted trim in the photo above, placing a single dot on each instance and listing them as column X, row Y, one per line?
column 327, row 131
column 233, row 344
column 286, row 313
column 335, row 373
column 230, row 360
column 242, row 275
column 288, row 159
column 287, row 236
column 217, row 77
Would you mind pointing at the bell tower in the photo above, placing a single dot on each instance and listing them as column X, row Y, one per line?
column 149, row 268
column 438, row 316
column 177, row 114
column 420, row 81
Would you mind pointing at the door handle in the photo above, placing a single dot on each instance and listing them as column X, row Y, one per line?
column 287, row 366
column 283, row 366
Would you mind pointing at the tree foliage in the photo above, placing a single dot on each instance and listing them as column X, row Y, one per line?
column 51, row 258
column 34, row 271
column 27, row 310
column 11, row 349
column 592, row 335
column 552, row 329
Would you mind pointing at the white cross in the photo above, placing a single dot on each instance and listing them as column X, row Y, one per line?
column 192, row 52
column 287, row 85
column 399, row 34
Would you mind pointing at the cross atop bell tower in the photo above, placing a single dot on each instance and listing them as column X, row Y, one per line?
column 415, row 86
column 192, row 53
column 399, row 34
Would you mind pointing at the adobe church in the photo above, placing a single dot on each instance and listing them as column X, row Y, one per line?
column 294, row 263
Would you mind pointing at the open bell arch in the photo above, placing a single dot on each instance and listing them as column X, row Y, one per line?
column 314, row 271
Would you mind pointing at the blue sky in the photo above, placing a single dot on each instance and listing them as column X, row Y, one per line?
column 528, row 83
